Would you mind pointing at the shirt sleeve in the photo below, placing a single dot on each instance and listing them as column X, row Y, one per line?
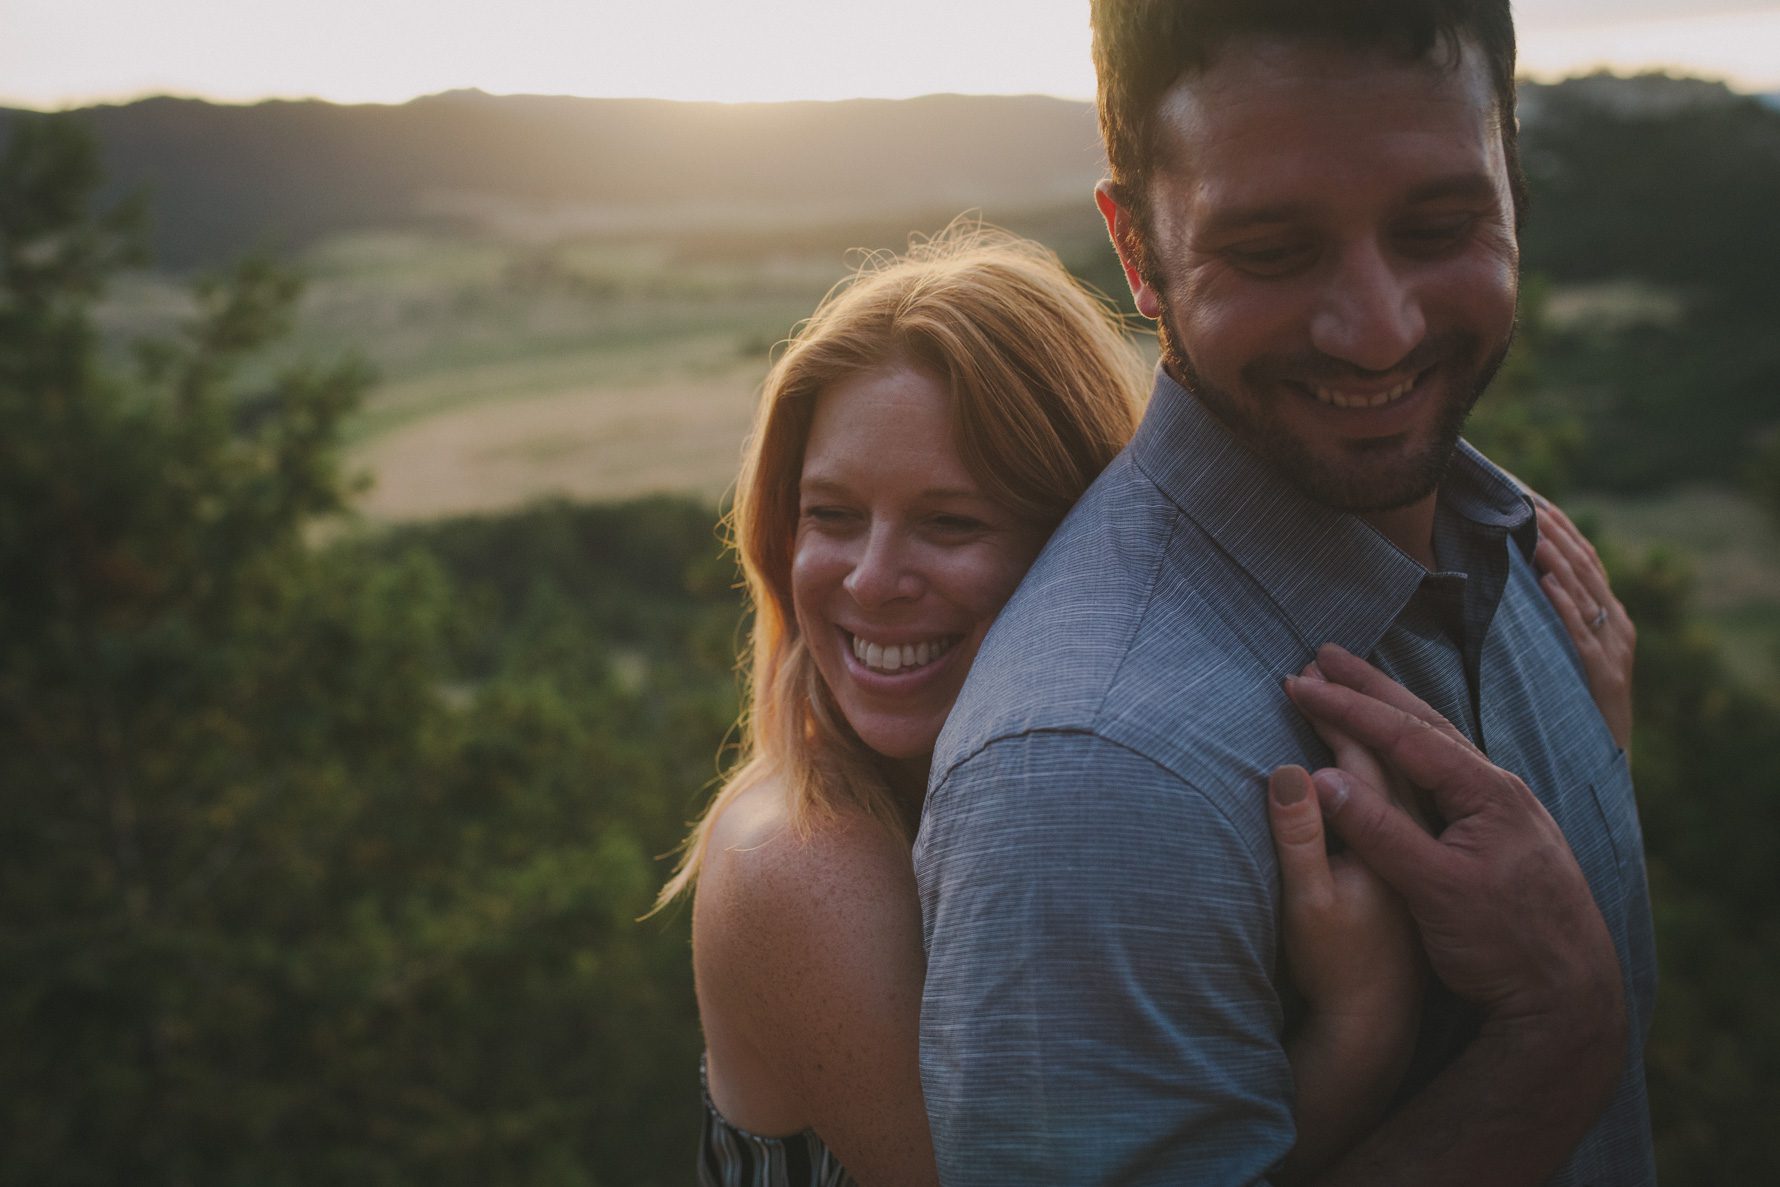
column 1099, row 1004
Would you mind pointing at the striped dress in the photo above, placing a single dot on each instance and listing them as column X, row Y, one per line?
column 732, row 1157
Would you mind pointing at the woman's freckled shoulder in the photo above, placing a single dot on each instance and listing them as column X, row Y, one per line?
column 765, row 884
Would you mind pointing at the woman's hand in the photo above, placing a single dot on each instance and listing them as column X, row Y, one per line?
column 1576, row 582
column 1351, row 950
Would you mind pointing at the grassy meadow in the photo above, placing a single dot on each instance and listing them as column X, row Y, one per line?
column 513, row 365
column 519, row 363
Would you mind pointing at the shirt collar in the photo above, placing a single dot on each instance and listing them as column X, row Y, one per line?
column 1484, row 494
column 1333, row 576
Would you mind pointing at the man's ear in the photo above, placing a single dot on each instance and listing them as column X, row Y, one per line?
column 1123, row 230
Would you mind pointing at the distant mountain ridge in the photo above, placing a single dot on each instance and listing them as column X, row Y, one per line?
column 222, row 179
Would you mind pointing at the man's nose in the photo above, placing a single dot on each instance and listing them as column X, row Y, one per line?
column 1371, row 314
column 883, row 570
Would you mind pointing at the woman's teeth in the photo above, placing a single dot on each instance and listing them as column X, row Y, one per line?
column 1358, row 399
column 895, row 657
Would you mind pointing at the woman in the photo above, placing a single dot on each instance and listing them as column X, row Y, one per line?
column 916, row 443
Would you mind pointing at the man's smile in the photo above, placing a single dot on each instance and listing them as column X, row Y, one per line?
column 1358, row 398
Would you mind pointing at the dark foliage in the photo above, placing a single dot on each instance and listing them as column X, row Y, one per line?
column 1672, row 184
column 1706, row 764
column 308, row 877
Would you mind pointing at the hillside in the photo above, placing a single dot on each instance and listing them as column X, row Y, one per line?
column 477, row 246
column 223, row 179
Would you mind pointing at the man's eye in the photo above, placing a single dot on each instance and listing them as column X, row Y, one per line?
column 1269, row 259
column 1433, row 236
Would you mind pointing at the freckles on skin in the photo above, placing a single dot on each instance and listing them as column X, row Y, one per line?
column 901, row 559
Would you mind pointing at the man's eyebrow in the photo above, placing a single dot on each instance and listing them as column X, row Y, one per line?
column 1242, row 218
column 1457, row 185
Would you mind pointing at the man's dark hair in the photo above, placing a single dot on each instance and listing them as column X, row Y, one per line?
column 1143, row 47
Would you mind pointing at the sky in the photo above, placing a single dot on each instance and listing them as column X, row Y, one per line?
column 64, row 53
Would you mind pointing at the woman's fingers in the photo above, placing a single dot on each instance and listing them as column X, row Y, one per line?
column 1297, row 822
column 1342, row 667
column 1429, row 753
column 1564, row 602
column 1575, row 581
column 1577, row 561
column 1562, row 565
column 1555, row 525
column 1555, row 569
column 1352, row 756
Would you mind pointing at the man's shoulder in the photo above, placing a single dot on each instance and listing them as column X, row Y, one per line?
column 1134, row 631
column 1055, row 647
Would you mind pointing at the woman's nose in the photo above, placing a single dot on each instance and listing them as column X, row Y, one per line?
column 883, row 571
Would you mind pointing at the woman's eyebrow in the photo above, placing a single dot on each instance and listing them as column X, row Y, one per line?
column 819, row 484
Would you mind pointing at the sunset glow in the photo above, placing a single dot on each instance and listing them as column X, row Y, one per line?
column 55, row 53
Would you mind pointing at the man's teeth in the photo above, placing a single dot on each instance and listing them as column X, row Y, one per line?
column 1357, row 400
column 895, row 657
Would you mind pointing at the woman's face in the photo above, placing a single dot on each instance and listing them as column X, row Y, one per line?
column 901, row 560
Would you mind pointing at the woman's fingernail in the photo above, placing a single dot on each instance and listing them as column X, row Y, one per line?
column 1332, row 790
column 1289, row 785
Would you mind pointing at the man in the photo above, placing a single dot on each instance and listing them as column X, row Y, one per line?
column 1318, row 203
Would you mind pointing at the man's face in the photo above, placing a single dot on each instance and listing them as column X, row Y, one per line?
column 1333, row 259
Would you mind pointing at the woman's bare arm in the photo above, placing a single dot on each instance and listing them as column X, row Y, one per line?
column 809, row 952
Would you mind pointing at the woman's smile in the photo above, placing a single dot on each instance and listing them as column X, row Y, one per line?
column 901, row 560
column 904, row 658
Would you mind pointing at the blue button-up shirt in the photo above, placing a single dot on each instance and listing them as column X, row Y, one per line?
column 1098, row 884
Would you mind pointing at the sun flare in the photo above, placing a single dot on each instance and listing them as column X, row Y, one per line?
column 58, row 54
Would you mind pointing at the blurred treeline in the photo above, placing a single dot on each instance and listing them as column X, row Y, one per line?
column 322, row 862
column 324, row 846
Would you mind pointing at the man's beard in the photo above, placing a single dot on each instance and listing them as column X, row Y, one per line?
column 1385, row 482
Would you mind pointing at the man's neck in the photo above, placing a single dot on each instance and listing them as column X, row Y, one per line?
column 1410, row 528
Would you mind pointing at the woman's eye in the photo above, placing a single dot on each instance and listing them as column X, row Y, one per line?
column 957, row 523
column 826, row 514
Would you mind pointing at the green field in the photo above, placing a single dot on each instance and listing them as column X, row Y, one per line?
column 605, row 366
column 592, row 366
